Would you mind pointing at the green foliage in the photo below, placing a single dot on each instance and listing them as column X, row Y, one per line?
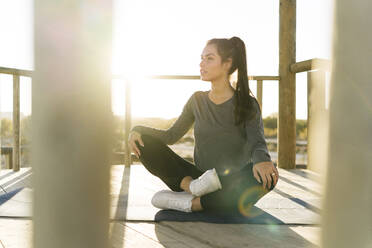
column 6, row 128
column 270, row 132
column 270, row 122
column 303, row 134
column 26, row 130
column 301, row 128
column 270, row 128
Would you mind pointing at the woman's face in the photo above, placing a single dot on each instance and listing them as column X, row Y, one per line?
column 210, row 66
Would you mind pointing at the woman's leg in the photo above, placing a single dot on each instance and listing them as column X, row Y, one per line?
column 238, row 194
column 162, row 162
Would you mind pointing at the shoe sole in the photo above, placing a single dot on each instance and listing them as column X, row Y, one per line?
column 217, row 181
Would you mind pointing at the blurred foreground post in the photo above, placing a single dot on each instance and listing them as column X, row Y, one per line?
column 317, row 121
column 72, row 123
column 347, row 210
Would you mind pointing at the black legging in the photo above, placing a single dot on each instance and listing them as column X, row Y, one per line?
column 239, row 192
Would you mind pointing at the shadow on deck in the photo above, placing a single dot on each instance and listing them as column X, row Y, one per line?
column 296, row 201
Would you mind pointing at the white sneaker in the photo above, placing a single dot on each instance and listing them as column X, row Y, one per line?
column 206, row 183
column 167, row 199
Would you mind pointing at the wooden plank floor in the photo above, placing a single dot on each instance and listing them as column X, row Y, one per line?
column 17, row 232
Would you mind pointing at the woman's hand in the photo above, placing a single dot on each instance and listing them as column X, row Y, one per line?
column 133, row 137
column 265, row 170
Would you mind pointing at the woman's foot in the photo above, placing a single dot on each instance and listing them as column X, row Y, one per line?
column 206, row 183
column 167, row 199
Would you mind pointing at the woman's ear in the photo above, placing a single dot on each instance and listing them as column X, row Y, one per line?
column 227, row 64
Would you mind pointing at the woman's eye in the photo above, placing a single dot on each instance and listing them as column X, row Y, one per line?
column 208, row 58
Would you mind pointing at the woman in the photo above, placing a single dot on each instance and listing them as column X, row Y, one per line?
column 233, row 168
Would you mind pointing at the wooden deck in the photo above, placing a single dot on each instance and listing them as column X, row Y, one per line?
column 141, row 231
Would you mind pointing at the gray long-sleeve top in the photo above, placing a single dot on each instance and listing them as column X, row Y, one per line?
column 218, row 142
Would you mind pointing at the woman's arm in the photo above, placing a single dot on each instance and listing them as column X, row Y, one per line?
column 263, row 168
column 176, row 131
column 256, row 137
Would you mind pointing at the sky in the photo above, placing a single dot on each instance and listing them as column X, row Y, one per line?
column 167, row 37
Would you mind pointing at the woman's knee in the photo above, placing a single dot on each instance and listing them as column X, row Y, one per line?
column 149, row 140
column 152, row 151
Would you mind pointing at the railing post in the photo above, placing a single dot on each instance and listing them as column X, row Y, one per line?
column 16, row 124
column 287, row 85
column 317, row 120
column 128, row 121
column 259, row 92
column 9, row 159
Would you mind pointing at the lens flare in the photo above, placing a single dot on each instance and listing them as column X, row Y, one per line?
column 248, row 199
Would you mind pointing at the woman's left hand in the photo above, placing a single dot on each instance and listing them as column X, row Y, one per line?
column 265, row 170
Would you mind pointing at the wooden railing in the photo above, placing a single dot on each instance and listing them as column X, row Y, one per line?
column 16, row 113
column 128, row 121
column 127, row 156
column 312, row 64
column 315, row 68
column 317, row 113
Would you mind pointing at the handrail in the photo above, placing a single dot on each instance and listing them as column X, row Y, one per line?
column 29, row 73
column 128, row 157
column 17, row 72
column 311, row 64
column 195, row 77
column 316, row 70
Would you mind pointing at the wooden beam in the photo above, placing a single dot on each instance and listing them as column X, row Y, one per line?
column 196, row 77
column 264, row 78
column 72, row 129
column 16, row 124
column 347, row 207
column 311, row 64
column 12, row 71
column 259, row 92
column 185, row 77
column 287, row 85
column 28, row 73
column 128, row 122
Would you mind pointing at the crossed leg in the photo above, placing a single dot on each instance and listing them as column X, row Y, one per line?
column 176, row 172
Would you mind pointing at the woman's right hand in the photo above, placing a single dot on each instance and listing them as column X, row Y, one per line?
column 133, row 137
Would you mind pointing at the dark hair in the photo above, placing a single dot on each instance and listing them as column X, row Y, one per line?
column 234, row 48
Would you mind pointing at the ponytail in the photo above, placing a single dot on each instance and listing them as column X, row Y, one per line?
column 234, row 48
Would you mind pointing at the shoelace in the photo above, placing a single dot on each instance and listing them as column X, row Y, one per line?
column 177, row 203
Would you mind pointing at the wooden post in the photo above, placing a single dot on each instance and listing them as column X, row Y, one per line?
column 9, row 160
column 128, row 121
column 72, row 129
column 347, row 207
column 287, row 85
column 259, row 92
column 317, row 122
column 16, row 124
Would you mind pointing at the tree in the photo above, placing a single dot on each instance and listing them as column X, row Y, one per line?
column 6, row 128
